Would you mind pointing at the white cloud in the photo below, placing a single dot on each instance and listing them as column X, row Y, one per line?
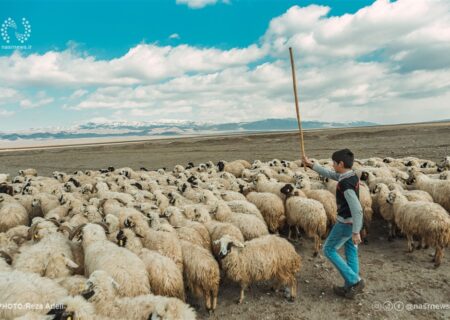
column 370, row 65
column 5, row 113
column 174, row 36
column 198, row 4
column 8, row 95
column 142, row 64
column 39, row 100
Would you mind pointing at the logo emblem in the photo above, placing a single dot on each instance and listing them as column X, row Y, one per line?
column 21, row 37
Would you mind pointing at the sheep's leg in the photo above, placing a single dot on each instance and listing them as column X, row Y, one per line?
column 214, row 300
column 391, row 232
column 316, row 245
column 293, row 289
column 241, row 296
column 208, row 302
column 438, row 255
column 289, row 233
column 410, row 242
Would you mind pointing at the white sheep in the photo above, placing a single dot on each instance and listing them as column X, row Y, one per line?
column 429, row 221
column 250, row 226
column 438, row 189
column 201, row 273
column 164, row 276
column 12, row 213
column 267, row 258
column 121, row 264
column 271, row 208
column 308, row 214
column 104, row 293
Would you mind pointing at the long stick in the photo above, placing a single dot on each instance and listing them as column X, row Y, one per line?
column 299, row 121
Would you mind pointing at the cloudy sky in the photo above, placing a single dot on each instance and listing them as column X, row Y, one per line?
column 222, row 61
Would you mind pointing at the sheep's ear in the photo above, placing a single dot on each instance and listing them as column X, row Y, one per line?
column 115, row 284
column 238, row 244
column 216, row 242
column 70, row 263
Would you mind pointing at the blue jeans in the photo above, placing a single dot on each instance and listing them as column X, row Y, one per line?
column 341, row 235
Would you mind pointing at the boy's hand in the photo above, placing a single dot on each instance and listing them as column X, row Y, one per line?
column 308, row 162
column 356, row 238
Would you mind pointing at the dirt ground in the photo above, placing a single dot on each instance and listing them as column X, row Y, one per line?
column 395, row 280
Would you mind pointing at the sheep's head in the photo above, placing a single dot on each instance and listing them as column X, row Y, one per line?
column 100, row 287
column 90, row 232
column 121, row 239
column 377, row 188
column 444, row 175
column 364, row 176
column 60, row 262
column 71, row 308
column 5, row 256
column 190, row 165
column 226, row 243
column 387, row 160
column 287, row 189
column 182, row 188
column 392, row 196
column 221, row 165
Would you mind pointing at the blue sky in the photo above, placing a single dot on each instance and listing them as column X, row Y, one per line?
column 219, row 61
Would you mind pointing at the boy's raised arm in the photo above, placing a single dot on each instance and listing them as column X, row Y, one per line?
column 325, row 172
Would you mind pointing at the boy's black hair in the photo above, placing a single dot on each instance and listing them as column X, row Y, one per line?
column 344, row 155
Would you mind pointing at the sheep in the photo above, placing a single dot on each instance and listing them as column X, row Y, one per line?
column 228, row 195
column 325, row 197
column 427, row 220
column 17, row 287
column 412, row 195
column 381, row 192
column 308, row 214
column 250, row 226
column 264, row 185
column 201, row 273
column 50, row 256
column 12, row 213
column 245, row 207
column 267, row 258
column 123, row 265
column 218, row 229
column 101, row 290
column 28, row 172
column 235, row 167
column 164, row 276
column 271, row 208
column 166, row 243
column 438, row 189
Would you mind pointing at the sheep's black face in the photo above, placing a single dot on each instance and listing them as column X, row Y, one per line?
column 287, row 189
column 60, row 313
column 391, row 198
column 409, row 164
column 88, row 293
column 143, row 169
column 364, row 176
column 223, row 254
column 128, row 223
column 190, row 165
column 221, row 165
column 121, row 239
column 386, row 160
column 138, row 185
column 410, row 181
column 6, row 257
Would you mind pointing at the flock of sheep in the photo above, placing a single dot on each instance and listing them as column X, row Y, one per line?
column 126, row 244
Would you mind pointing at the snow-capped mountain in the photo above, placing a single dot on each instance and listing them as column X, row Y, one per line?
column 103, row 129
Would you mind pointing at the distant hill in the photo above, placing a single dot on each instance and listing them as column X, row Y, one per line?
column 169, row 128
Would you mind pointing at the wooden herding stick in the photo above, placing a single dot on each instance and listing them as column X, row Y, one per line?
column 299, row 121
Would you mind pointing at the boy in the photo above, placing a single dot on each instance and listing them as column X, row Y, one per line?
column 349, row 221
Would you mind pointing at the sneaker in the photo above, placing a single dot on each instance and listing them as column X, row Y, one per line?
column 355, row 289
column 340, row 291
